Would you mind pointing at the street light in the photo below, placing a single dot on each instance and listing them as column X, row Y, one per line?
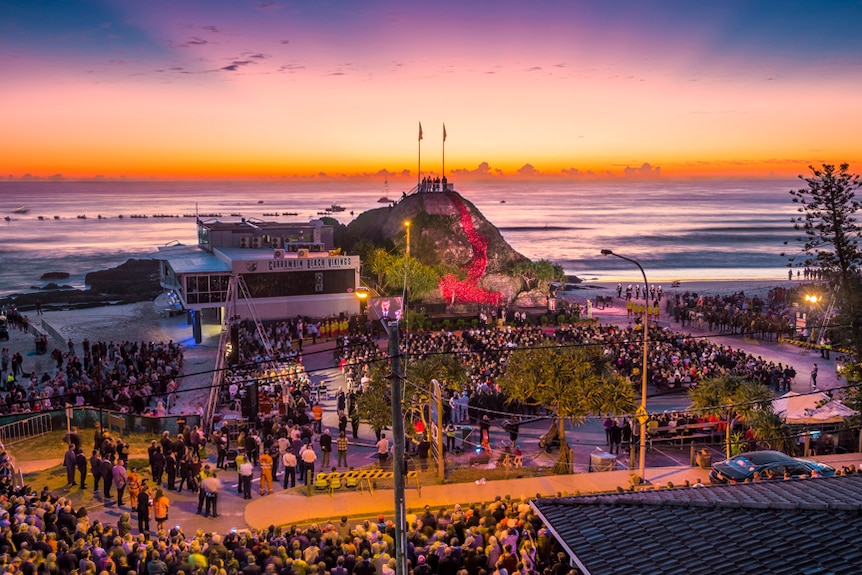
column 641, row 412
column 407, row 226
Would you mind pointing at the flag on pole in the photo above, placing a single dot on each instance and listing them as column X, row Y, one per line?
column 420, row 130
column 444, row 131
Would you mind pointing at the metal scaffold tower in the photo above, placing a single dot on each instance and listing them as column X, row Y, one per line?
column 226, row 357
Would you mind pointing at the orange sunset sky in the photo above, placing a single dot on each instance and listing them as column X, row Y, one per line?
column 237, row 89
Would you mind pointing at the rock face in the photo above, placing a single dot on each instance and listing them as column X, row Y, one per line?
column 437, row 233
column 133, row 281
column 138, row 277
column 55, row 276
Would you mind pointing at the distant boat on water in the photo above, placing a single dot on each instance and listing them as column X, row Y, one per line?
column 335, row 208
column 290, row 213
column 21, row 210
column 384, row 200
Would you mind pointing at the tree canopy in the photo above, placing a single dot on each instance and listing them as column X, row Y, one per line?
column 571, row 382
column 730, row 396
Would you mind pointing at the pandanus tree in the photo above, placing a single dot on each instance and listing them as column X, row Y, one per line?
column 573, row 383
column 729, row 396
column 446, row 368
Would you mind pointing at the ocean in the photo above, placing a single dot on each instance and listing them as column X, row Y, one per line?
column 678, row 230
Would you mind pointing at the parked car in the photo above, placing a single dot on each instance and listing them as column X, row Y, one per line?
column 744, row 466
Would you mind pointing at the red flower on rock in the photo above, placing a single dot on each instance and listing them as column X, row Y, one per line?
column 455, row 290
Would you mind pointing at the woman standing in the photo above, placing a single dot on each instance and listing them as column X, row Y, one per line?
column 161, row 506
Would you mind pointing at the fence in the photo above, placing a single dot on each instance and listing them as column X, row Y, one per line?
column 87, row 417
column 26, row 428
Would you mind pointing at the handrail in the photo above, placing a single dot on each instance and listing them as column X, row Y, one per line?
column 26, row 428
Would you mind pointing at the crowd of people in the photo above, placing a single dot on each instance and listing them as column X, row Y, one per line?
column 133, row 377
column 44, row 534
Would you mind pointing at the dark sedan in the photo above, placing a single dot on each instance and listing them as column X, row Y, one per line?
column 767, row 464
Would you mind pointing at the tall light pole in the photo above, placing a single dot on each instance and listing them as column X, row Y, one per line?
column 406, row 270
column 641, row 412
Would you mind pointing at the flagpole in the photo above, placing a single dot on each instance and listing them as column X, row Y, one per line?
column 419, row 166
column 443, row 174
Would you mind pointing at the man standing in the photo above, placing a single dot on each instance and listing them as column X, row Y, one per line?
column 317, row 414
column 81, row 462
column 616, row 436
column 211, row 485
column 265, row 473
column 96, row 469
column 383, row 450
column 289, row 461
column 814, row 377
column 134, row 483
column 424, row 448
column 120, row 478
column 158, row 464
column 341, row 444
column 308, row 458
column 325, row 449
column 171, row 470
column 107, row 476
column 246, row 469
column 70, row 463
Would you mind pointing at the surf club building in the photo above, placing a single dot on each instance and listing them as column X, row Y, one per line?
column 280, row 270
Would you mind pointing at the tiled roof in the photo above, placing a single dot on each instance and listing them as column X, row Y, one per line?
column 803, row 526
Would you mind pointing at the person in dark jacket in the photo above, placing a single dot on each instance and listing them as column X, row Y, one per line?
column 81, row 462
column 616, row 436
column 158, row 464
column 144, row 508
column 107, row 476
column 69, row 463
column 171, row 470
column 96, row 469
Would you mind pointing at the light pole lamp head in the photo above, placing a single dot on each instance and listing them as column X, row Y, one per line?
column 607, row 253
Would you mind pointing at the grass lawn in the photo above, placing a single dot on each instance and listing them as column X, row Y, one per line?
column 51, row 446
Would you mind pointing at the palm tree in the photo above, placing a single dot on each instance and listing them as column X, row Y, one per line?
column 726, row 395
column 571, row 382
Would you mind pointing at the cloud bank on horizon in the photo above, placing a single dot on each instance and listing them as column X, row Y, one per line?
column 226, row 88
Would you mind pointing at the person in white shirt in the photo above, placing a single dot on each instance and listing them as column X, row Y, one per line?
column 246, row 470
column 308, row 458
column 383, row 450
column 289, row 461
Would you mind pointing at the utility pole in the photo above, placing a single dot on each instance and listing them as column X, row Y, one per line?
column 396, row 384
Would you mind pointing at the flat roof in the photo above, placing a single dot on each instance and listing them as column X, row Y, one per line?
column 243, row 254
column 192, row 259
column 255, row 224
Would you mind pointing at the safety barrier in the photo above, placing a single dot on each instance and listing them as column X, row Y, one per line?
column 26, row 428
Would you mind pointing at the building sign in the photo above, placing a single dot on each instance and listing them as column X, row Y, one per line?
column 297, row 264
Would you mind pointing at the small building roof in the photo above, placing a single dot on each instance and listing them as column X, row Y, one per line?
column 185, row 259
column 777, row 527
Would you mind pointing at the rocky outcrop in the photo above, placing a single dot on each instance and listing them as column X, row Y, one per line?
column 131, row 282
column 139, row 277
column 55, row 276
column 437, row 235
